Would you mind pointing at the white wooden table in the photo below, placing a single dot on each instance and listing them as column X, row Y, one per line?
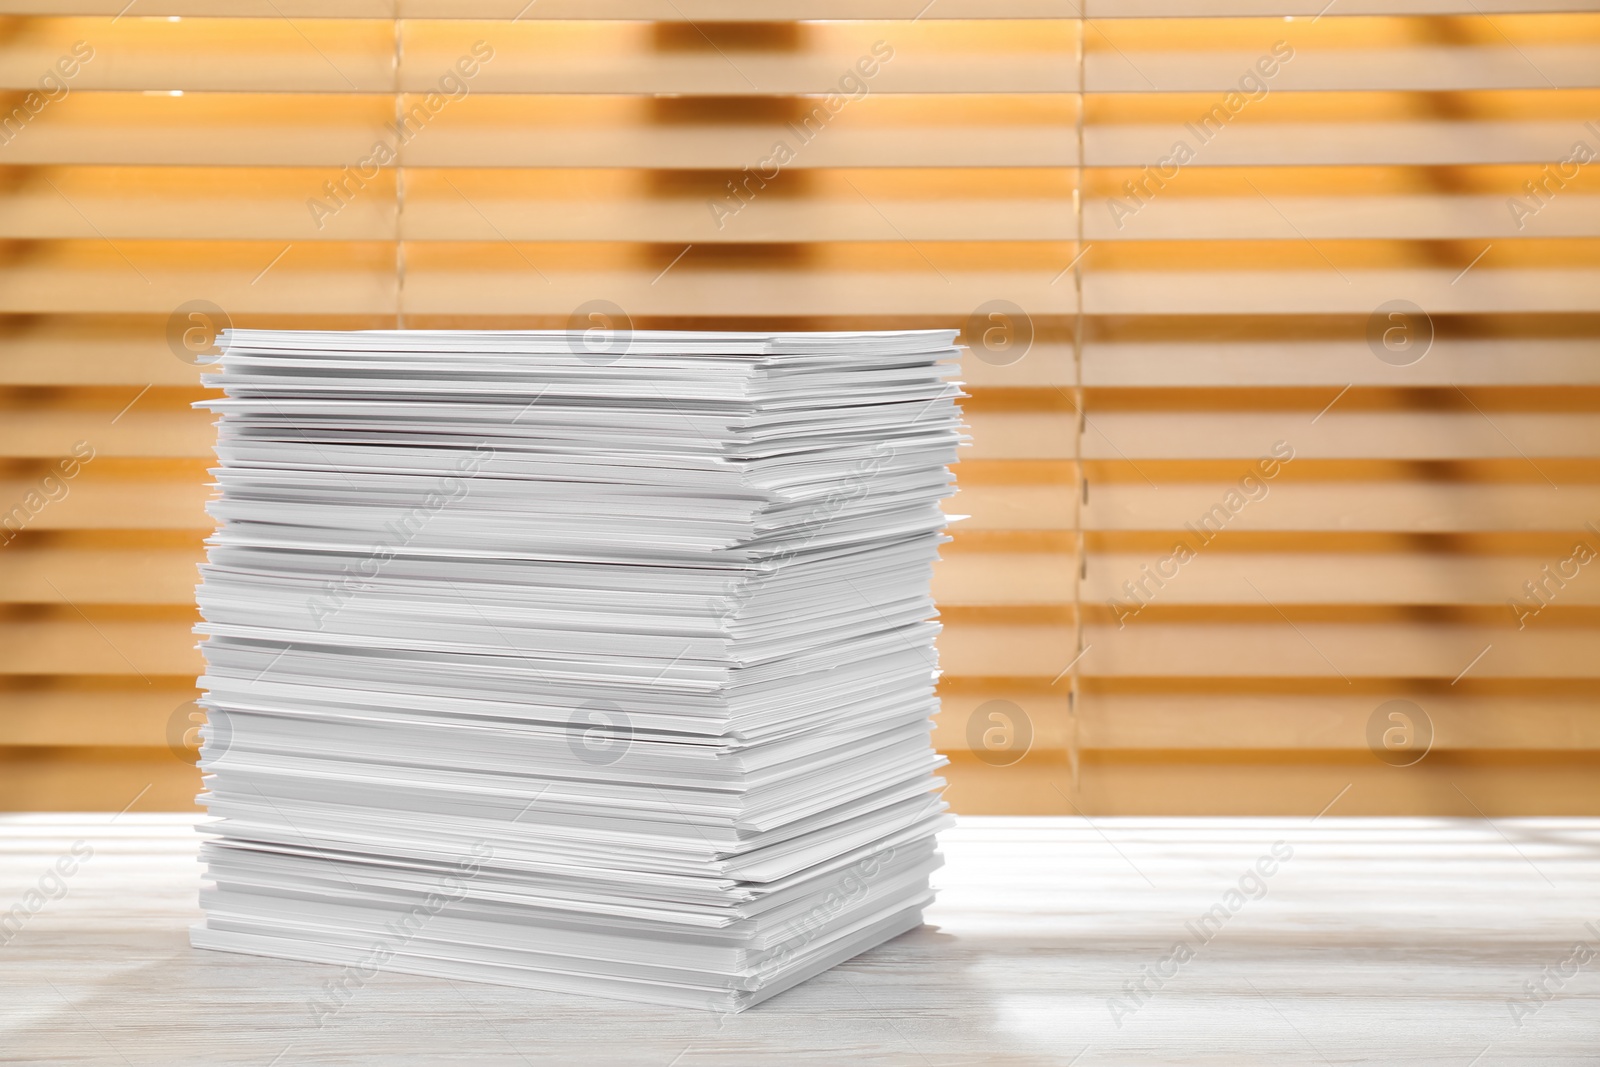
column 1379, row 941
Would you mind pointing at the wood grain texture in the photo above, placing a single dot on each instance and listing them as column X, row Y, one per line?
column 1379, row 941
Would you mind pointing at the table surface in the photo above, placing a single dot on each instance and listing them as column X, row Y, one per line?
column 1390, row 941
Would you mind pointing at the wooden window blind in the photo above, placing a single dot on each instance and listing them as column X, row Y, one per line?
column 1284, row 316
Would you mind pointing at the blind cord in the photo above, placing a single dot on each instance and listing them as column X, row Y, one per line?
column 1081, row 496
column 399, row 182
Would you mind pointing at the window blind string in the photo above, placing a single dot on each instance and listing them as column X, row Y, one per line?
column 399, row 180
column 1081, row 496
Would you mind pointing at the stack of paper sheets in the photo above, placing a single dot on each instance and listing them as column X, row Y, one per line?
column 604, row 675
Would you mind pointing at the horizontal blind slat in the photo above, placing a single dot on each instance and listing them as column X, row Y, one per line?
column 1417, row 68
column 1202, row 9
column 1165, row 434
column 1416, row 218
column 1335, row 291
column 1397, row 506
column 526, row 57
column 71, row 646
column 1244, row 722
column 1527, row 361
column 1278, row 144
column 1332, row 652
column 514, row 10
column 263, row 129
column 167, row 577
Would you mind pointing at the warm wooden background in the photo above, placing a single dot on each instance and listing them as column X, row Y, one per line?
column 1227, row 314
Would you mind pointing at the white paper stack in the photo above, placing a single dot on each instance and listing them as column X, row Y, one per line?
column 591, row 663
